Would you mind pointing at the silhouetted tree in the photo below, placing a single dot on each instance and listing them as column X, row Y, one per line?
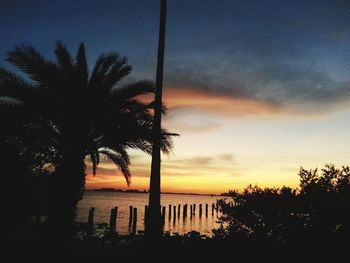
column 87, row 115
column 153, row 227
column 327, row 196
column 317, row 212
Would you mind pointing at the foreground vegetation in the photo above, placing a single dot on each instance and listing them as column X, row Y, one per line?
column 317, row 213
column 55, row 115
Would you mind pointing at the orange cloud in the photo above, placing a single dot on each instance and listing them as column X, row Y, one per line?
column 178, row 98
column 187, row 98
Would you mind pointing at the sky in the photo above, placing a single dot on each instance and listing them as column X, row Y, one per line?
column 256, row 89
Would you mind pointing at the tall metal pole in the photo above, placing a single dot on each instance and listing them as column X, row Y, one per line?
column 154, row 224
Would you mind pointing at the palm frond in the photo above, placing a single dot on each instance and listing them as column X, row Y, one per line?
column 131, row 109
column 119, row 161
column 119, row 70
column 103, row 63
column 164, row 107
column 123, row 153
column 31, row 62
column 64, row 58
column 92, row 151
column 9, row 80
column 143, row 145
column 13, row 86
column 135, row 130
column 95, row 160
column 103, row 67
column 167, row 141
column 82, row 68
column 133, row 90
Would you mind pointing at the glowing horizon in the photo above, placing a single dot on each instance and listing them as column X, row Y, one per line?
column 247, row 142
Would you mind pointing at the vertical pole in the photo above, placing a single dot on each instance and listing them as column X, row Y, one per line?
column 116, row 217
column 134, row 221
column 169, row 215
column 113, row 220
column 90, row 224
column 206, row 210
column 154, row 228
column 163, row 217
column 200, row 210
column 146, row 215
column 130, row 215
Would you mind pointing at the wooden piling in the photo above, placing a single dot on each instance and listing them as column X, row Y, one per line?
column 113, row 220
column 146, row 215
column 169, row 215
column 163, row 216
column 191, row 210
column 200, row 210
column 174, row 213
column 130, row 215
column 178, row 210
column 194, row 209
column 90, row 223
column 212, row 209
column 134, row 221
column 206, row 210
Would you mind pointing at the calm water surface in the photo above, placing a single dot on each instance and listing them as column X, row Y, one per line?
column 105, row 201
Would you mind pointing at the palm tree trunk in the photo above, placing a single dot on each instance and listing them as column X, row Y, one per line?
column 154, row 224
column 67, row 188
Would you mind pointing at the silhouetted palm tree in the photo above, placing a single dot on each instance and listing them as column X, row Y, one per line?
column 87, row 114
column 153, row 228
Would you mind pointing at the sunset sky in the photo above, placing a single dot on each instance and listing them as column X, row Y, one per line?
column 256, row 89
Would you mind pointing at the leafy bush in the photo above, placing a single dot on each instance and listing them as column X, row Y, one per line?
column 316, row 212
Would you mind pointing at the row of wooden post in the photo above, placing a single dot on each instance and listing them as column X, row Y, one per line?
column 185, row 209
column 133, row 215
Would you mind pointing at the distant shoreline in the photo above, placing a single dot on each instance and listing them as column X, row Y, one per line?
column 113, row 190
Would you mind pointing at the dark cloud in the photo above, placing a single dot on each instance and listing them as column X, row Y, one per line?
column 288, row 54
column 293, row 53
column 272, row 81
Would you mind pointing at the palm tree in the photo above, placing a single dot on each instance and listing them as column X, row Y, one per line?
column 154, row 229
column 87, row 115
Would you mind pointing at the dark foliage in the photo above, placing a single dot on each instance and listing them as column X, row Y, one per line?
column 316, row 213
column 65, row 114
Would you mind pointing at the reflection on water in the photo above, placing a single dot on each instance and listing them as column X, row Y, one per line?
column 175, row 221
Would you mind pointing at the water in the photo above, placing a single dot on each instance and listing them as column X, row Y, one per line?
column 105, row 201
